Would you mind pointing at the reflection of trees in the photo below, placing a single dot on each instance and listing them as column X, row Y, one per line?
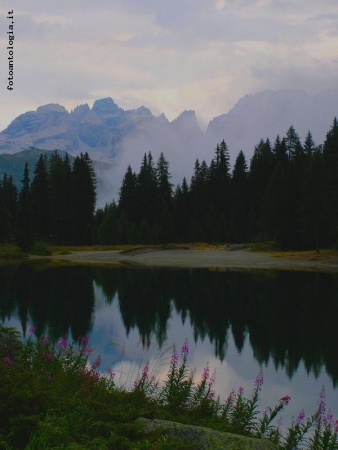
column 289, row 317
column 57, row 299
column 145, row 303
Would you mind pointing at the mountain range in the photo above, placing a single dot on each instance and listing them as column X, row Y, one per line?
column 111, row 134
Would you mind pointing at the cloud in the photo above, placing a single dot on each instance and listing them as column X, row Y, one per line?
column 170, row 56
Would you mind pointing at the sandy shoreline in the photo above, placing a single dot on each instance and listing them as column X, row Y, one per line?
column 214, row 260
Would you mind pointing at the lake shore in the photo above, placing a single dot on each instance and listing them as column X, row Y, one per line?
column 210, row 259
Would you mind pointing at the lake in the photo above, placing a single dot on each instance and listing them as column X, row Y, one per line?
column 237, row 321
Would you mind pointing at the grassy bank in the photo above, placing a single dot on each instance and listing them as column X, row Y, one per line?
column 53, row 397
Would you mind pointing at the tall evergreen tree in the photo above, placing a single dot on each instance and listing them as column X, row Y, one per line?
column 239, row 200
column 84, row 198
column 40, row 199
column 261, row 167
column 147, row 192
column 330, row 161
column 24, row 231
column 182, row 212
column 10, row 198
column 163, row 176
column 128, row 195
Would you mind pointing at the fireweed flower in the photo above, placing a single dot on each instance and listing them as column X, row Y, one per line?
column 240, row 391
column 32, row 330
column 111, row 373
column 7, row 360
column 63, row 343
column 212, row 379
column 321, row 407
column 97, row 363
column 285, row 399
column 205, row 374
column 336, row 426
column 259, row 381
column 145, row 371
column 84, row 340
column 174, row 359
column 300, row 417
column 328, row 420
column 185, row 349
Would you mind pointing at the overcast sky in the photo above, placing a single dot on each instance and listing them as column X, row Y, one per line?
column 168, row 55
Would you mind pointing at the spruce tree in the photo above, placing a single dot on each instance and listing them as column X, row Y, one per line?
column 24, row 230
column 40, row 199
column 84, row 197
column 239, row 215
column 330, row 161
column 128, row 195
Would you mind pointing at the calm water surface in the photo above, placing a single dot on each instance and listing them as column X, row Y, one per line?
column 238, row 322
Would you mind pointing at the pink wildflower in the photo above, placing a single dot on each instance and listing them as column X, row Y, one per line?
column 205, row 374
column 286, row 399
column 63, row 343
column 84, row 340
column 185, row 349
column 240, row 391
column 97, row 362
column 174, row 359
column 259, row 380
column 145, row 370
column 212, row 379
column 45, row 341
column 111, row 373
column 7, row 360
column 301, row 416
column 32, row 330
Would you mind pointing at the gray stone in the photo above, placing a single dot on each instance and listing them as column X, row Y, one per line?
column 202, row 438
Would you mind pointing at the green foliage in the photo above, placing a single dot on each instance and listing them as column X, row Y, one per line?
column 52, row 396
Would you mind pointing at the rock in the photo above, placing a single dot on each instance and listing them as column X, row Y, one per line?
column 202, row 438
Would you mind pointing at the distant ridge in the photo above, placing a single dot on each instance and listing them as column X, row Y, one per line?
column 106, row 131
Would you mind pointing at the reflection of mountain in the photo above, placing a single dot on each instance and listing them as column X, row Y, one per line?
column 288, row 317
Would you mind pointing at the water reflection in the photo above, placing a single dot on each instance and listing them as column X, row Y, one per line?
column 239, row 321
column 289, row 317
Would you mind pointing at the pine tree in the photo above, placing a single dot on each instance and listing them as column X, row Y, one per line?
column 9, row 194
column 128, row 195
column 313, row 201
column 24, row 231
column 240, row 199
column 330, row 161
column 182, row 212
column 84, row 197
column 40, row 199
column 261, row 168
column 165, row 191
column 147, row 192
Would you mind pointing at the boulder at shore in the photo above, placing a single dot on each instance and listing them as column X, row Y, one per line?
column 202, row 438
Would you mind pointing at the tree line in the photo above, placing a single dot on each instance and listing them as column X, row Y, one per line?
column 288, row 193
column 57, row 206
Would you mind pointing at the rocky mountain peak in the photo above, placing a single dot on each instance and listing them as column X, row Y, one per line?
column 51, row 107
column 105, row 106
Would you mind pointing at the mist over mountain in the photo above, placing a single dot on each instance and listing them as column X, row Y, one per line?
column 110, row 134
column 269, row 113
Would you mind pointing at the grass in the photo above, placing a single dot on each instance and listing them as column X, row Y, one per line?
column 55, row 397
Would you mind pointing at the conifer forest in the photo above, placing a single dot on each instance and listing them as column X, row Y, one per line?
column 286, row 193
